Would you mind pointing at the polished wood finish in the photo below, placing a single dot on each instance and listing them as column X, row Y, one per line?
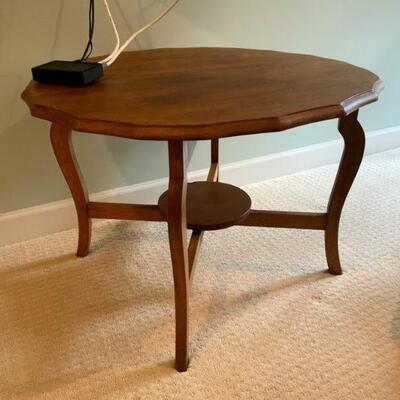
column 283, row 219
column 61, row 140
column 195, row 243
column 212, row 205
column 196, row 239
column 129, row 212
column 213, row 175
column 184, row 95
column 177, row 239
column 207, row 93
column 354, row 145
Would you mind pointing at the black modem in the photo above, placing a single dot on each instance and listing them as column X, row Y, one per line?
column 68, row 73
column 81, row 72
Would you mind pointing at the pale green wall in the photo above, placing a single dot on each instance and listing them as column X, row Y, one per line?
column 364, row 32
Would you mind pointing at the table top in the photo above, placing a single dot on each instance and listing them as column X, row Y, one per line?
column 206, row 93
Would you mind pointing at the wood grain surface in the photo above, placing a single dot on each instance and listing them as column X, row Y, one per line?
column 206, row 93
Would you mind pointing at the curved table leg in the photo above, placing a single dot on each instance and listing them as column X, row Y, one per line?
column 177, row 230
column 215, row 156
column 62, row 145
column 354, row 139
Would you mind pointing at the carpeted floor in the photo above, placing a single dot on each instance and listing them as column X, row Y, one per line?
column 266, row 321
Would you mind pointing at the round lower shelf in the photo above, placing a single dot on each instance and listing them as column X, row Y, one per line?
column 212, row 205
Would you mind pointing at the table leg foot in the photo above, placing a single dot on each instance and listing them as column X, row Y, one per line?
column 61, row 140
column 177, row 230
column 354, row 140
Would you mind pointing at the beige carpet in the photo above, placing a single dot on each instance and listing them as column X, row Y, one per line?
column 266, row 321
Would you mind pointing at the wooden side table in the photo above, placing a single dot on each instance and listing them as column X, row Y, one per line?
column 181, row 95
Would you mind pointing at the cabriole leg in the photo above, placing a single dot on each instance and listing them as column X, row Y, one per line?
column 61, row 141
column 177, row 230
column 354, row 141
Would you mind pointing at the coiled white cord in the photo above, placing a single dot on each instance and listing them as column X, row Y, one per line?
column 120, row 48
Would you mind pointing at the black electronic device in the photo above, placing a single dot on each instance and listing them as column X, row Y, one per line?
column 82, row 72
column 68, row 73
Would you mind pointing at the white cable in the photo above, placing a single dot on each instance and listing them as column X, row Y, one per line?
column 116, row 53
column 118, row 41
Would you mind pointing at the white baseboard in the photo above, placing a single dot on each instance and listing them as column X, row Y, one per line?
column 55, row 217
